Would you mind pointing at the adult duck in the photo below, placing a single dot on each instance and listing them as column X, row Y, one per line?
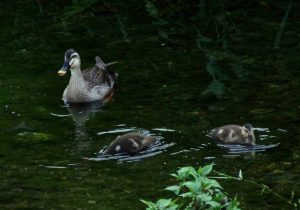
column 234, row 134
column 94, row 84
column 130, row 143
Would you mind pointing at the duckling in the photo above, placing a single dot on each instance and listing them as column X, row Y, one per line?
column 91, row 85
column 129, row 144
column 234, row 134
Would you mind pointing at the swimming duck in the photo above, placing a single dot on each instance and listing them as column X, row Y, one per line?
column 130, row 143
column 93, row 84
column 234, row 134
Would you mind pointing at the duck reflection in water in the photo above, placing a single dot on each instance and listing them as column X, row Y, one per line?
column 81, row 113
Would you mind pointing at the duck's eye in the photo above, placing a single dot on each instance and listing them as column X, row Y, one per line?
column 73, row 56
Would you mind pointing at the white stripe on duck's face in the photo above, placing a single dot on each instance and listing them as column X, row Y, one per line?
column 75, row 60
column 245, row 132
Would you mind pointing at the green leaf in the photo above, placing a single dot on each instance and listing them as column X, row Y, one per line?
column 207, row 169
column 214, row 183
column 175, row 189
column 163, row 203
column 188, row 194
column 204, row 197
column 213, row 204
column 151, row 205
column 240, row 175
column 193, row 186
column 233, row 205
column 185, row 172
column 174, row 175
column 166, row 204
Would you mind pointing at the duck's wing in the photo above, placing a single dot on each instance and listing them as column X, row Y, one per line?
column 109, row 75
column 94, row 77
column 100, row 74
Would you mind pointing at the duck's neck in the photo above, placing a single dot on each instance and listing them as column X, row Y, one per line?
column 77, row 80
column 76, row 71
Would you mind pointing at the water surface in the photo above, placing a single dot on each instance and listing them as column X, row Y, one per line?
column 50, row 153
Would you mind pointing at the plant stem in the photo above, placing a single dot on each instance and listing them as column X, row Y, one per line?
column 282, row 26
column 40, row 7
column 262, row 186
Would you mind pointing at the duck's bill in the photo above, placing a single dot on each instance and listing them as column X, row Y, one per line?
column 62, row 72
column 64, row 69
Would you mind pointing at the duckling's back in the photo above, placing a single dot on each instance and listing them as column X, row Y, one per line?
column 232, row 134
column 128, row 143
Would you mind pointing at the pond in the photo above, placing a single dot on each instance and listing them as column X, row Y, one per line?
column 49, row 152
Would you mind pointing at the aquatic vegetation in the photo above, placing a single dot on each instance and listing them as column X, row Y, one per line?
column 77, row 7
column 33, row 137
column 152, row 10
column 216, row 87
column 195, row 190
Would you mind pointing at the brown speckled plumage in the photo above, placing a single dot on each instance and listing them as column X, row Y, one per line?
column 130, row 143
column 234, row 134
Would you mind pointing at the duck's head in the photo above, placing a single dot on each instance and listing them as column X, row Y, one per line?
column 248, row 134
column 72, row 61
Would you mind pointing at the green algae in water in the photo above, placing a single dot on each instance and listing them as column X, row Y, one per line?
column 32, row 137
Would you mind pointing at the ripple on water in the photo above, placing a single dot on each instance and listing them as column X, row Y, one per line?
column 264, row 135
column 119, row 130
column 240, row 149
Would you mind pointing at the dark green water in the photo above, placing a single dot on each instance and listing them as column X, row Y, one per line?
column 52, row 171
column 49, row 152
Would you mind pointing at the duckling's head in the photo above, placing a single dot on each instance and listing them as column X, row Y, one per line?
column 148, row 141
column 248, row 134
column 72, row 61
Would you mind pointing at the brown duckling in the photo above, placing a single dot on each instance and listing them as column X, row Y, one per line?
column 130, row 143
column 234, row 134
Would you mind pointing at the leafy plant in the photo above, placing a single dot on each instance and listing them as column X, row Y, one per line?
column 195, row 190
column 77, row 7
column 153, row 12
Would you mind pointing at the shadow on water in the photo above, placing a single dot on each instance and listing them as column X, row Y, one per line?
column 159, row 147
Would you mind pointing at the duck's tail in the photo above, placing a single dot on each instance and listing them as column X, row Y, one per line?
column 113, row 75
column 101, row 64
